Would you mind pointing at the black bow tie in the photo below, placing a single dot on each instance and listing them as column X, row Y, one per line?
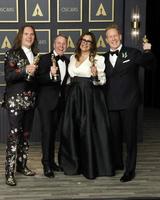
column 60, row 58
column 114, row 52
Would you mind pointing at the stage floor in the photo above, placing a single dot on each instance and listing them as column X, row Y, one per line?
column 145, row 185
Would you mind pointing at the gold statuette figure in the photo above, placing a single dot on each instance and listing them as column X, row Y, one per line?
column 35, row 62
column 94, row 77
column 55, row 76
column 36, row 59
column 145, row 40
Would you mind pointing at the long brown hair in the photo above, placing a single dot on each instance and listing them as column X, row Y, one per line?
column 18, row 39
column 93, row 48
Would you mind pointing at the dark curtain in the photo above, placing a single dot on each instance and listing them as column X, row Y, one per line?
column 152, row 77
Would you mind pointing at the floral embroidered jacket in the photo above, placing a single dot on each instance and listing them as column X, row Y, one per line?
column 19, row 93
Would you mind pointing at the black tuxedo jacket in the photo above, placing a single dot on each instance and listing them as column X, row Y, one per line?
column 15, row 73
column 49, row 91
column 123, row 90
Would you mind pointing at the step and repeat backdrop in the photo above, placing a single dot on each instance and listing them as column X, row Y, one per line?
column 52, row 17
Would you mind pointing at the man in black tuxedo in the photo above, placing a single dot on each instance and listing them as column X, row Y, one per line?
column 52, row 77
column 19, row 100
column 123, row 96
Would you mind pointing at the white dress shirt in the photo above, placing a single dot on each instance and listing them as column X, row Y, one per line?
column 29, row 54
column 113, row 58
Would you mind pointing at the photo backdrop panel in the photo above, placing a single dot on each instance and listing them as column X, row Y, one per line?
column 69, row 11
column 101, row 10
column 7, row 37
column 101, row 39
column 43, row 36
column 51, row 17
column 9, row 11
column 37, row 11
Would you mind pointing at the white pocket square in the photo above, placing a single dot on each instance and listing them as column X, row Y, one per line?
column 126, row 61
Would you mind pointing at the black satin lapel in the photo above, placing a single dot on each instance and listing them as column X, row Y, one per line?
column 58, row 70
column 66, row 75
column 109, row 68
column 119, row 62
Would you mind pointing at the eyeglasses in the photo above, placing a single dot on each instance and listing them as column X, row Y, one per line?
column 84, row 41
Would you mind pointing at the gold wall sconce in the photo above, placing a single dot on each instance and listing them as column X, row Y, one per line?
column 135, row 23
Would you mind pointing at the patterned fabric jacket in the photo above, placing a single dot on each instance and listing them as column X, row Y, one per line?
column 19, row 93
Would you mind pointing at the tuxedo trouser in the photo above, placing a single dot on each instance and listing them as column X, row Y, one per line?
column 20, row 122
column 124, row 126
column 49, row 123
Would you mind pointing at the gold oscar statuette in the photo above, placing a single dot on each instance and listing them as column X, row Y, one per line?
column 36, row 59
column 94, row 77
column 55, row 77
column 93, row 61
column 35, row 62
column 145, row 40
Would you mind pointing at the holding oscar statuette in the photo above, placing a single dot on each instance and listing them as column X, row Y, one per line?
column 35, row 62
column 36, row 59
column 94, row 76
column 55, row 76
column 20, row 101
column 146, row 44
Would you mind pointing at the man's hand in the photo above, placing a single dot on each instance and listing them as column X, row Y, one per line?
column 147, row 46
column 53, row 70
column 30, row 69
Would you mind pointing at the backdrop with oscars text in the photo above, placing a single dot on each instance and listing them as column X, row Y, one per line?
column 51, row 17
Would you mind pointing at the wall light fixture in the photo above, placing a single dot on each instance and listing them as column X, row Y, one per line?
column 135, row 23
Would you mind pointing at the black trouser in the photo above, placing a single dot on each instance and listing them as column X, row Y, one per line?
column 17, row 143
column 124, row 124
column 49, row 121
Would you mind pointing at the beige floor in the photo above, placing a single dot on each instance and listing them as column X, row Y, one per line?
column 146, row 184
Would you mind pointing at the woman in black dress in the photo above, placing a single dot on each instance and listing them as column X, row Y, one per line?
column 85, row 130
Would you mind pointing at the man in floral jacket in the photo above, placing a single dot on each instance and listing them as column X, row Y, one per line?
column 19, row 101
column 123, row 96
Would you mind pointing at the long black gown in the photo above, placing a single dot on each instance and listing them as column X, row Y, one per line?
column 86, row 139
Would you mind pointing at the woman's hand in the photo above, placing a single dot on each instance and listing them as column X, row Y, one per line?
column 94, row 70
